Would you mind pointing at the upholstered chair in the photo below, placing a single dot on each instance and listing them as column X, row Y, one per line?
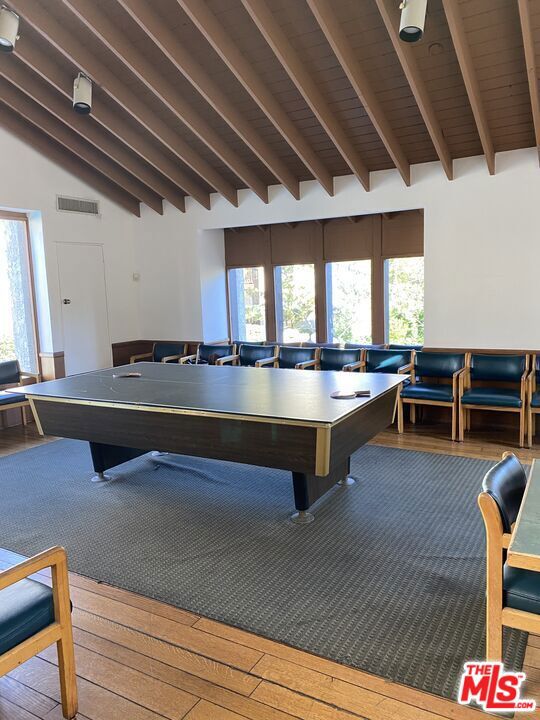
column 434, row 381
column 404, row 347
column 164, row 352
column 533, row 398
column 248, row 354
column 34, row 616
column 504, row 388
column 298, row 358
column 340, row 359
column 209, row 354
column 387, row 361
column 364, row 346
column 12, row 376
column 512, row 594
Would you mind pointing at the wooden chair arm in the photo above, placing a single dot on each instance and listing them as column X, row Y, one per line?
column 463, row 380
column 523, row 386
column 405, row 369
column 54, row 557
column 136, row 358
column 227, row 359
column 187, row 358
column 531, row 383
column 266, row 361
column 351, row 367
column 170, row 358
column 306, row 364
column 36, row 377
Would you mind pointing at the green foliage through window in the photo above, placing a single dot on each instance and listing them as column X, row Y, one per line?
column 405, row 300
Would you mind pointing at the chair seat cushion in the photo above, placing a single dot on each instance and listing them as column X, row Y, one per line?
column 535, row 400
column 521, row 589
column 428, row 391
column 25, row 608
column 10, row 398
column 494, row 396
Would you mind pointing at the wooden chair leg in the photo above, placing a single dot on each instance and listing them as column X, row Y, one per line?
column 413, row 414
column 454, row 414
column 529, row 428
column 461, row 423
column 400, row 415
column 68, row 677
column 522, row 427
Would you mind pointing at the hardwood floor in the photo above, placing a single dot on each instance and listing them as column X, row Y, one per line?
column 139, row 659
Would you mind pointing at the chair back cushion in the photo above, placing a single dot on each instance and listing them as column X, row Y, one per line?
column 334, row 359
column 291, row 356
column 438, row 365
column 163, row 349
column 26, row 608
column 508, row 368
column 405, row 347
column 208, row 354
column 506, row 482
column 321, row 345
column 10, row 372
column 249, row 354
column 249, row 342
column 387, row 361
column 362, row 346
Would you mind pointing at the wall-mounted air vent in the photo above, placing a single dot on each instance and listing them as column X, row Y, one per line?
column 76, row 205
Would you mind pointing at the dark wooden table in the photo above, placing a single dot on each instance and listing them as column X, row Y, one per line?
column 261, row 416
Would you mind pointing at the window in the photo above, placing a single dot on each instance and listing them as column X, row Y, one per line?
column 17, row 329
column 348, row 301
column 404, row 307
column 295, row 303
column 247, row 304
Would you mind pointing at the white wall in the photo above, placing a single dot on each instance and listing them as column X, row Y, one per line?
column 482, row 248
column 30, row 184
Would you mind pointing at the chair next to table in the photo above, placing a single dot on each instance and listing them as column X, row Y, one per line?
column 208, row 354
column 248, row 354
column 511, row 370
column 340, row 359
column 164, row 352
column 298, row 358
column 428, row 368
column 512, row 594
column 11, row 376
column 387, row 361
column 533, row 398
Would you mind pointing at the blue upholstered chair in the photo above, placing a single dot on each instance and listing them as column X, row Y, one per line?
column 340, row 359
column 364, row 346
column 297, row 358
column 434, row 381
column 34, row 616
column 209, row 354
column 504, row 388
column 533, row 398
column 404, row 347
column 248, row 354
column 512, row 594
column 12, row 376
column 387, row 361
column 164, row 352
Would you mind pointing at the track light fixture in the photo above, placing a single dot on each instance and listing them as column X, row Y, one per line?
column 413, row 19
column 82, row 94
column 9, row 28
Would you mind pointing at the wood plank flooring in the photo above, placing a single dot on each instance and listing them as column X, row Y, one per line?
column 138, row 659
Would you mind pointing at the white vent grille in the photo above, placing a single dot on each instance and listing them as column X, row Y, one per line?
column 76, row 205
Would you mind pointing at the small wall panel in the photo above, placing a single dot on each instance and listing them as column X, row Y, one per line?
column 296, row 244
column 349, row 239
column 246, row 247
column 403, row 233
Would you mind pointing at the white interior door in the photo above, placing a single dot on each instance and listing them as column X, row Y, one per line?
column 83, row 294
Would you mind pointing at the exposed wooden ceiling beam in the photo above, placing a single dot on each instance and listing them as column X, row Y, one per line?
column 30, row 83
column 530, row 60
column 44, row 121
column 463, row 52
column 210, row 27
column 390, row 14
column 184, row 61
column 55, row 76
column 264, row 19
column 66, row 43
column 43, row 144
column 338, row 41
column 113, row 37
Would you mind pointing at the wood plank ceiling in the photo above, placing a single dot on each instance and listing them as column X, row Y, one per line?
column 199, row 96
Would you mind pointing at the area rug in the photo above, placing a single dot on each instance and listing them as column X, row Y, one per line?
column 388, row 579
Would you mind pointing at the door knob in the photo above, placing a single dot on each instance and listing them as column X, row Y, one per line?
column 66, row 301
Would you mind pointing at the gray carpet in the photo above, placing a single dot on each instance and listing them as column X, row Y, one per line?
column 389, row 579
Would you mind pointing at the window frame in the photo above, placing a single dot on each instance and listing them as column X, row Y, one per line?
column 23, row 217
column 228, row 291
column 329, row 304
column 386, row 303
column 275, row 298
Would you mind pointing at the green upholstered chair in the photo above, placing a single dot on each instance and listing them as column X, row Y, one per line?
column 512, row 594
column 298, row 358
column 248, row 354
column 340, row 359
column 434, row 381
column 12, row 376
column 164, row 352
column 34, row 616
column 503, row 388
column 533, row 398
column 209, row 354
column 386, row 361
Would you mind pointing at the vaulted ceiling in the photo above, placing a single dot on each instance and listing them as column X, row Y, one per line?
column 199, row 96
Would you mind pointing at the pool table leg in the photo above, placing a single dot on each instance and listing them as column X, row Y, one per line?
column 107, row 456
column 309, row 488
